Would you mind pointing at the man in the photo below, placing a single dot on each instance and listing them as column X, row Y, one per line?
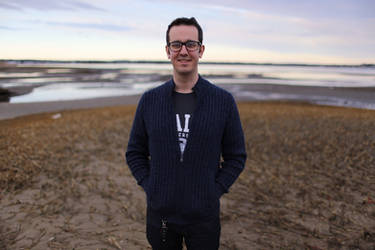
column 180, row 131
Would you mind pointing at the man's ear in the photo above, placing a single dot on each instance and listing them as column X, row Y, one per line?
column 201, row 50
column 168, row 52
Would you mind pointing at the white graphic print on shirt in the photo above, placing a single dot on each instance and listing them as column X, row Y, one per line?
column 183, row 134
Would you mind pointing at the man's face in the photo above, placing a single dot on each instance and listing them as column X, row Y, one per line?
column 184, row 62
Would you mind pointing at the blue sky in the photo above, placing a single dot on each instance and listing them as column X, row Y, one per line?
column 276, row 31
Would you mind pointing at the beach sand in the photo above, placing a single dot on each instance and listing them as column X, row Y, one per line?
column 308, row 182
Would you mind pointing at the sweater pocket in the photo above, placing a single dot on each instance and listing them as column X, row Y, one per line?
column 200, row 199
column 161, row 198
column 144, row 184
column 219, row 190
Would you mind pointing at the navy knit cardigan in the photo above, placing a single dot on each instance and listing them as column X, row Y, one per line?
column 186, row 188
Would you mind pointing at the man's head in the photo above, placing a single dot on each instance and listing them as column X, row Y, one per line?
column 184, row 45
column 186, row 21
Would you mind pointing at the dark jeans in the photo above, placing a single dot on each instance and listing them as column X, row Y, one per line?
column 201, row 236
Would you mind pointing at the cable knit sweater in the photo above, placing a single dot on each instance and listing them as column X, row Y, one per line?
column 186, row 188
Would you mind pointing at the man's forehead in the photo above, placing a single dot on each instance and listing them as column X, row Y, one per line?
column 183, row 32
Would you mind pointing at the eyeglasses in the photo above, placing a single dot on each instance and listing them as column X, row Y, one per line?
column 189, row 45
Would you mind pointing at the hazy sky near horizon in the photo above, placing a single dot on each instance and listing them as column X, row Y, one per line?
column 276, row 31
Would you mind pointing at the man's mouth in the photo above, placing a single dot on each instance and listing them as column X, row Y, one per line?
column 184, row 60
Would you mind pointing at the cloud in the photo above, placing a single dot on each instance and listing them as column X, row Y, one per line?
column 6, row 28
column 8, row 6
column 45, row 5
column 261, row 29
column 96, row 26
column 297, row 8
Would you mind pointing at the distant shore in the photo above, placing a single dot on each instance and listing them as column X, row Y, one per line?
column 27, row 61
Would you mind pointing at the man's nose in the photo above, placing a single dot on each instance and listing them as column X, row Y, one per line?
column 183, row 49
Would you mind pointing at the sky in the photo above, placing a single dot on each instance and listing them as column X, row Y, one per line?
column 272, row 31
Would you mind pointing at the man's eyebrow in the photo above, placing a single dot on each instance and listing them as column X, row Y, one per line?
column 182, row 41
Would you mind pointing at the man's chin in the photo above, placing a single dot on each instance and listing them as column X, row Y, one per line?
column 184, row 71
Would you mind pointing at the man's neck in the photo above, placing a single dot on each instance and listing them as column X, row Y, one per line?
column 185, row 83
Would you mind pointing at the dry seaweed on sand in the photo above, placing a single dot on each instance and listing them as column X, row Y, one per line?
column 308, row 182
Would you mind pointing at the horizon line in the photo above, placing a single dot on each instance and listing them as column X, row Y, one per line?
column 167, row 62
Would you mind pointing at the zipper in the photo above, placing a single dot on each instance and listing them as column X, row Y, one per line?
column 198, row 102
column 164, row 230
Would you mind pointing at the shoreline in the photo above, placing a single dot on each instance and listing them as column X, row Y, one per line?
column 361, row 98
column 14, row 110
column 51, row 82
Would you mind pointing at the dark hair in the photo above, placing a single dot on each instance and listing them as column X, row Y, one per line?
column 186, row 21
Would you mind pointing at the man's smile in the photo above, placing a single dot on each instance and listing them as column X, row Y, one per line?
column 184, row 60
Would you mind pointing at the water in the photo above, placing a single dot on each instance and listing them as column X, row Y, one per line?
column 72, row 81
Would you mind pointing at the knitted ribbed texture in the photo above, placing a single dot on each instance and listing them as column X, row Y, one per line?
column 186, row 191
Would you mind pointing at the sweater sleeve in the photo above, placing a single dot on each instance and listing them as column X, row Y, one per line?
column 137, row 154
column 233, row 151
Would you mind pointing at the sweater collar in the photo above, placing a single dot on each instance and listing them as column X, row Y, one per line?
column 198, row 87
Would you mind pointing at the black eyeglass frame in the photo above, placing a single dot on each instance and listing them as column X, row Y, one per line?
column 185, row 43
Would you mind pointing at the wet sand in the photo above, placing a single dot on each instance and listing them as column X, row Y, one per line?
column 308, row 182
column 242, row 92
column 12, row 110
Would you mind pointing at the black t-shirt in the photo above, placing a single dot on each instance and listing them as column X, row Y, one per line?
column 184, row 105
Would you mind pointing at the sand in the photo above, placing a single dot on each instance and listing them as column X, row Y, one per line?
column 309, row 182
